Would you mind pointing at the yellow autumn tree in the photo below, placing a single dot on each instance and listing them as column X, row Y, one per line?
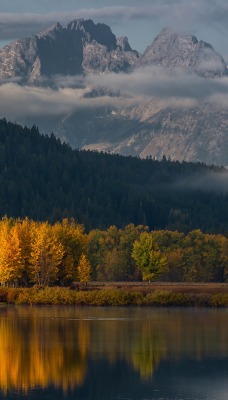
column 11, row 265
column 24, row 229
column 84, row 269
column 46, row 255
column 71, row 236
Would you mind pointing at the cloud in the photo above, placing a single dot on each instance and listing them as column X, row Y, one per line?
column 22, row 25
column 207, row 181
column 18, row 102
column 183, row 14
column 156, row 82
column 67, row 94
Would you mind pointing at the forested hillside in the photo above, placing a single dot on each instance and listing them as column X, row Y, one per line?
column 46, row 180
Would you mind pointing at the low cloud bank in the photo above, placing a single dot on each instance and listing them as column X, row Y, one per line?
column 207, row 182
column 145, row 84
column 156, row 82
column 18, row 102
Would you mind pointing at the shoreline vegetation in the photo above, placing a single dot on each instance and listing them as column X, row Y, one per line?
column 44, row 264
column 40, row 254
column 121, row 294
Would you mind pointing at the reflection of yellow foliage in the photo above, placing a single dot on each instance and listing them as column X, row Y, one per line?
column 38, row 354
column 43, row 346
column 148, row 351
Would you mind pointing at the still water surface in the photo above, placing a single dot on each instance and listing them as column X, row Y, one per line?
column 113, row 353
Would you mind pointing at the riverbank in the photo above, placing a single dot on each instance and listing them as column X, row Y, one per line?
column 122, row 294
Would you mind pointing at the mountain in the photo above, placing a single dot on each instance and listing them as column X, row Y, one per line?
column 174, row 50
column 198, row 134
column 85, row 47
column 46, row 180
column 144, row 127
column 79, row 47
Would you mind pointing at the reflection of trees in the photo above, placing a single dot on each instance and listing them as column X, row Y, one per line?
column 148, row 352
column 148, row 336
column 38, row 352
column 43, row 346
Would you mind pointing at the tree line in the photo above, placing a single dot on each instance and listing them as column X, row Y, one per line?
column 46, row 180
column 40, row 253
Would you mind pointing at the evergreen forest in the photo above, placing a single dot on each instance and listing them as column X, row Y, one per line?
column 45, row 180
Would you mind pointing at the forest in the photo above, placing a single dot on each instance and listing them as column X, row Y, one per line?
column 72, row 215
column 44, row 179
column 41, row 254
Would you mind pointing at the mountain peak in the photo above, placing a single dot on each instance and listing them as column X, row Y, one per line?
column 176, row 50
column 168, row 32
column 82, row 46
column 76, row 24
column 51, row 31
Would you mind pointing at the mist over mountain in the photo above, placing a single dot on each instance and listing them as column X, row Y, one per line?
column 94, row 91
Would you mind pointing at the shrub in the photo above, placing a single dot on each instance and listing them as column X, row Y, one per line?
column 165, row 298
column 109, row 297
column 219, row 300
column 12, row 295
column 3, row 295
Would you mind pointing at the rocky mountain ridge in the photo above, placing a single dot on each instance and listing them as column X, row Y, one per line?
column 79, row 47
column 83, row 47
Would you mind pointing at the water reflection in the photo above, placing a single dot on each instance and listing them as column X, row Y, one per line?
column 62, row 347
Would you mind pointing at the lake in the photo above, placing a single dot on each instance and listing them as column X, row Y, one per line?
column 113, row 353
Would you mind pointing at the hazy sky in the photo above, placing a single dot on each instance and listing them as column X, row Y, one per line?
column 140, row 20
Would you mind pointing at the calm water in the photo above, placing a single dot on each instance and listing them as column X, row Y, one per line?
column 110, row 353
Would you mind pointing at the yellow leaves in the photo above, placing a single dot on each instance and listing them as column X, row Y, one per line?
column 38, row 252
column 84, row 269
column 28, row 360
column 71, row 236
column 46, row 255
column 10, row 255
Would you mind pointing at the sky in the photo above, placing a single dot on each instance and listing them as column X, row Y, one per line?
column 139, row 20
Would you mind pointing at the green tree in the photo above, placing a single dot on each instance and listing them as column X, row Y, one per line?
column 148, row 257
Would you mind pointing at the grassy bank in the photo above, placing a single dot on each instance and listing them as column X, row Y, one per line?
column 165, row 295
